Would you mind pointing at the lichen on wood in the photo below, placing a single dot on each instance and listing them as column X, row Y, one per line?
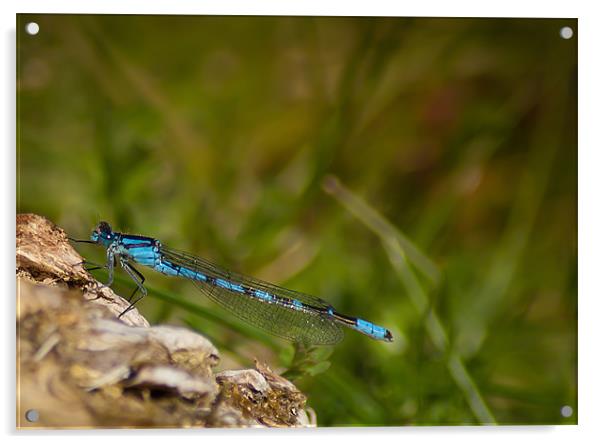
column 80, row 366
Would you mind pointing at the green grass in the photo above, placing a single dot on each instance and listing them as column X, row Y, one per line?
column 420, row 173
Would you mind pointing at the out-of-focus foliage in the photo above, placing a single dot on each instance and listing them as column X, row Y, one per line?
column 215, row 134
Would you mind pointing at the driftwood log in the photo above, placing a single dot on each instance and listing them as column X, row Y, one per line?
column 78, row 366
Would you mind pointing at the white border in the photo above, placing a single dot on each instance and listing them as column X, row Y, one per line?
column 590, row 222
column 507, row 8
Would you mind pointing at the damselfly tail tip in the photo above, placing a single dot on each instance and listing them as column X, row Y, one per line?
column 388, row 336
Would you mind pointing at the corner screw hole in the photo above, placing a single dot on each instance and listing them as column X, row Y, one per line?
column 566, row 411
column 32, row 28
column 566, row 32
column 32, row 415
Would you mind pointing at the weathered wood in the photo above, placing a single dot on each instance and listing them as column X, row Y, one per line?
column 79, row 366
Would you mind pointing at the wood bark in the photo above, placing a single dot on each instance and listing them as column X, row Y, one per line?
column 79, row 366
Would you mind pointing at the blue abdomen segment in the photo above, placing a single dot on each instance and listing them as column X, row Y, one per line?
column 372, row 330
column 229, row 285
column 170, row 269
column 191, row 274
column 263, row 295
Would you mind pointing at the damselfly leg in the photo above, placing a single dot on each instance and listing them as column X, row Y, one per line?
column 138, row 279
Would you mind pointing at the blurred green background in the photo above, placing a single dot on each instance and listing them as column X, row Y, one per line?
column 420, row 173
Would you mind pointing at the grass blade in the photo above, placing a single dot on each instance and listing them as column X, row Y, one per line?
column 401, row 253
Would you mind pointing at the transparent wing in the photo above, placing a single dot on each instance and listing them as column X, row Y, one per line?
column 310, row 325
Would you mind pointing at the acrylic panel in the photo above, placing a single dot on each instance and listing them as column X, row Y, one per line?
column 232, row 221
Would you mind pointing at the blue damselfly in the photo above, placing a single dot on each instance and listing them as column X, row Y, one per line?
column 286, row 313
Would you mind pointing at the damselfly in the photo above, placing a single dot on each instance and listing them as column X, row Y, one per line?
column 286, row 313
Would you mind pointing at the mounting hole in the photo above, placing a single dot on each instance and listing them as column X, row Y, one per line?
column 566, row 32
column 32, row 28
column 32, row 415
column 566, row 411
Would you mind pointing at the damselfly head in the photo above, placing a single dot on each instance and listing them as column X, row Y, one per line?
column 102, row 234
